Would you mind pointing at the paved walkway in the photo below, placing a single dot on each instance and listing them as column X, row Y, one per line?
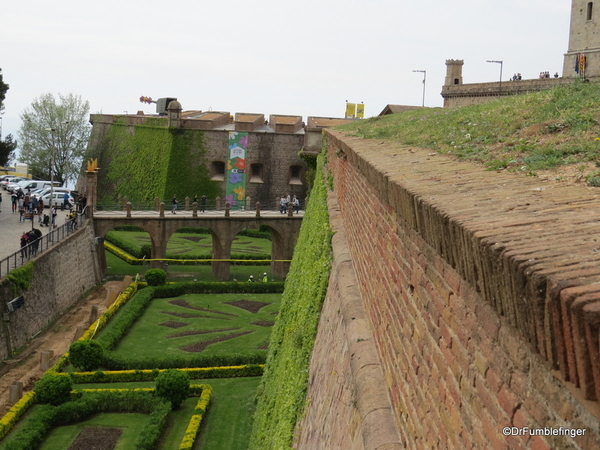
column 11, row 230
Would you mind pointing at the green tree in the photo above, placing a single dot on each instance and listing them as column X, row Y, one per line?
column 7, row 146
column 55, row 131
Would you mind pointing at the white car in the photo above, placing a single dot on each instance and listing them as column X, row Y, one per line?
column 10, row 180
column 58, row 199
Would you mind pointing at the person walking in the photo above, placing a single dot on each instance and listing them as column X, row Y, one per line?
column 296, row 204
column 265, row 278
column 203, row 203
column 174, row 202
column 0, row 201
column 14, row 199
column 24, row 242
column 54, row 214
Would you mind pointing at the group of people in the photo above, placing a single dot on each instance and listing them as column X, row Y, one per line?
column 26, row 204
column 252, row 280
column 30, row 241
column 201, row 203
column 547, row 75
column 286, row 200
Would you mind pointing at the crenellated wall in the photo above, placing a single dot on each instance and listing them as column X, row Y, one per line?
column 482, row 293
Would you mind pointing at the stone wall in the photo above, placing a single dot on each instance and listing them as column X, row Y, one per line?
column 60, row 277
column 481, row 290
column 276, row 152
column 475, row 93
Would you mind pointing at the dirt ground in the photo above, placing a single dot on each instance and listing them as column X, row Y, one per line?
column 58, row 337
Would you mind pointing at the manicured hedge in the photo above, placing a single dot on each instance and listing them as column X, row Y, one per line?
column 196, row 373
column 90, row 402
column 136, row 307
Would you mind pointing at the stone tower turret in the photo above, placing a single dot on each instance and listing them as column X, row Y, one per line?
column 174, row 111
column 454, row 72
column 583, row 57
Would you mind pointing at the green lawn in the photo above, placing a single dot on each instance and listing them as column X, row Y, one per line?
column 151, row 336
column 228, row 421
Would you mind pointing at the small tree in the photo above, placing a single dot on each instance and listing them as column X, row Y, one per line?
column 86, row 355
column 173, row 385
column 156, row 277
column 54, row 389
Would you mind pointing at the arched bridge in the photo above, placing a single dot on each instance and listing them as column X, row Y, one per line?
column 223, row 226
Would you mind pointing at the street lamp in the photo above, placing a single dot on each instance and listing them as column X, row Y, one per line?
column 424, row 72
column 53, row 131
column 500, row 84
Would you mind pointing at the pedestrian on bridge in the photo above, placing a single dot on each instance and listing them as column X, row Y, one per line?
column 203, row 203
column 174, row 202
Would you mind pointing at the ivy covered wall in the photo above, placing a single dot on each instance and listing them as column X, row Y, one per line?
column 149, row 160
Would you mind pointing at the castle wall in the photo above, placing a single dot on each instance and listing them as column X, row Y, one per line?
column 476, row 93
column 277, row 152
column 61, row 276
column 481, row 297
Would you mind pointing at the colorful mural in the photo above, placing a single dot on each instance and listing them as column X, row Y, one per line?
column 235, row 191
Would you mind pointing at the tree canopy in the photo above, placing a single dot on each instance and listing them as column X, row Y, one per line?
column 55, row 131
column 7, row 146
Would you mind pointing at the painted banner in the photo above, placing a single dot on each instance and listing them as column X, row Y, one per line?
column 235, row 190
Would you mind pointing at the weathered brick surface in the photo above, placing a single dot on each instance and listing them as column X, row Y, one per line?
column 477, row 286
column 348, row 406
column 60, row 277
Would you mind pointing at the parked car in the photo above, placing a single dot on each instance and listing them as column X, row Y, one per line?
column 46, row 190
column 58, row 199
column 35, row 184
column 9, row 180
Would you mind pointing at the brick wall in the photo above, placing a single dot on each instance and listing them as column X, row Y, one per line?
column 463, row 274
column 346, row 379
column 60, row 277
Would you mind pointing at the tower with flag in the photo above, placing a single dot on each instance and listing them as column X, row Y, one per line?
column 583, row 56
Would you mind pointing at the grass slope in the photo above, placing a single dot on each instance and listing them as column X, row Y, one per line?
column 526, row 133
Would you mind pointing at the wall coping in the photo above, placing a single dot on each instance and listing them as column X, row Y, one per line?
column 529, row 247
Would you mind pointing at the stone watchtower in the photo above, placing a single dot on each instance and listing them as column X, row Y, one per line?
column 454, row 72
column 174, row 112
column 583, row 57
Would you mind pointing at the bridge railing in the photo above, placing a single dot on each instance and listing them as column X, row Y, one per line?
column 49, row 240
column 188, row 205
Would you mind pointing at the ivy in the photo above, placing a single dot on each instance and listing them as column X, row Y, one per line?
column 142, row 162
column 283, row 387
column 21, row 277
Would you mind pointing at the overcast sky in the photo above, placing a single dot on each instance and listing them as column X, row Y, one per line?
column 273, row 57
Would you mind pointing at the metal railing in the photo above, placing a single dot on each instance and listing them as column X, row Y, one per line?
column 49, row 240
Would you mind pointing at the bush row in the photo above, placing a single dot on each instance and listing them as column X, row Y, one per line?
column 196, row 373
column 85, row 404
column 194, row 424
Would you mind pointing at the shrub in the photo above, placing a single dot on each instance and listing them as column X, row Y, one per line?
column 86, row 355
column 146, row 251
column 156, row 277
column 173, row 385
column 53, row 389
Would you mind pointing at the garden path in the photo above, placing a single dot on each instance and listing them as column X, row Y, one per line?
column 58, row 337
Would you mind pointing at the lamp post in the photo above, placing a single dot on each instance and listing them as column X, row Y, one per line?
column 424, row 72
column 52, row 131
column 500, row 84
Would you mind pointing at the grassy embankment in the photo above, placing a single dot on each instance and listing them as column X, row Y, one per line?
column 527, row 133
